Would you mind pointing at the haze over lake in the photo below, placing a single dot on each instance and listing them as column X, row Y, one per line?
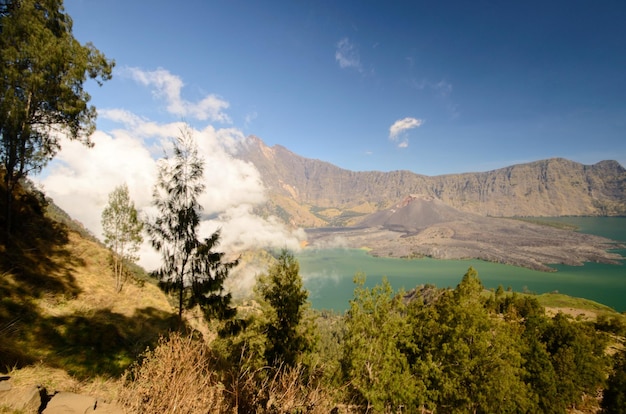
column 328, row 274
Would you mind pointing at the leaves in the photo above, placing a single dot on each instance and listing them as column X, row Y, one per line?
column 122, row 231
column 191, row 267
column 42, row 72
column 282, row 291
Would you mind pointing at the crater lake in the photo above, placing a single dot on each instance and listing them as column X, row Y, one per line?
column 328, row 274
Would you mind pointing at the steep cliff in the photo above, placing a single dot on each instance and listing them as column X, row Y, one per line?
column 314, row 193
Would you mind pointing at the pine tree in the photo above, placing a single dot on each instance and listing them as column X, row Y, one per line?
column 614, row 397
column 191, row 268
column 283, row 291
column 374, row 361
column 470, row 360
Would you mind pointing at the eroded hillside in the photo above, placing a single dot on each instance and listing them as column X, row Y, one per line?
column 313, row 193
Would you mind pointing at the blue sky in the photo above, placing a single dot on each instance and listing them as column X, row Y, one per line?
column 476, row 85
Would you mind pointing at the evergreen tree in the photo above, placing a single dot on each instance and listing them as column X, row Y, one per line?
column 42, row 71
column 282, row 290
column 614, row 397
column 577, row 356
column 469, row 360
column 540, row 375
column 122, row 231
column 191, row 268
column 374, row 361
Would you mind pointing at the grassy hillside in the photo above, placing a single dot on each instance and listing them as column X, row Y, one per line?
column 58, row 305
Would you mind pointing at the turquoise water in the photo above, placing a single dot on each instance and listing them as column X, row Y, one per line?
column 328, row 274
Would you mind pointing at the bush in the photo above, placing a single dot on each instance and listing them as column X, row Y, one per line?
column 174, row 377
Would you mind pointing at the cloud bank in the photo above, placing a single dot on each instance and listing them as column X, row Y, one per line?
column 80, row 179
column 397, row 131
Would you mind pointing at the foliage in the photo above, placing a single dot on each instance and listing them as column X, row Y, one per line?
column 282, row 291
column 469, row 359
column 614, row 398
column 373, row 362
column 42, row 72
column 191, row 268
column 577, row 356
column 122, row 231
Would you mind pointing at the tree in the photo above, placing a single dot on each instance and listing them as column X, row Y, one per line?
column 577, row 356
column 374, row 360
column 614, row 397
column 122, row 231
column 42, row 72
column 191, row 268
column 282, row 289
column 470, row 361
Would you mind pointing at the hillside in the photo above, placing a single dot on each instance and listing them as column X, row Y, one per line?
column 62, row 326
column 59, row 307
column 313, row 193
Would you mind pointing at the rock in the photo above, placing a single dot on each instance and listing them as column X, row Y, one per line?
column 5, row 385
column 25, row 398
column 70, row 403
column 107, row 408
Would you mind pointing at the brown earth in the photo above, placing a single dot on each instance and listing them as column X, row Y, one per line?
column 424, row 226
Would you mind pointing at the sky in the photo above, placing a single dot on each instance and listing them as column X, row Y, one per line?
column 431, row 87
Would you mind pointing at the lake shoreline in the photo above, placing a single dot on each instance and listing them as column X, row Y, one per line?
column 328, row 272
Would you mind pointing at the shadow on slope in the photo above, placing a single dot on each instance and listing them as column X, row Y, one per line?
column 51, row 310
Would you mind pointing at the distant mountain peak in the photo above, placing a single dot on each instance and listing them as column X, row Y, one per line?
column 310, row 193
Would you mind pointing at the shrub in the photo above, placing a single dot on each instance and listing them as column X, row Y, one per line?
column 173, row 378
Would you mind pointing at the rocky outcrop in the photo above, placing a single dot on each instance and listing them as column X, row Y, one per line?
column 36, row 399
column 301, row 189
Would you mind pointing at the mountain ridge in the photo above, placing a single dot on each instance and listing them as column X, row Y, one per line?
column 313, row 193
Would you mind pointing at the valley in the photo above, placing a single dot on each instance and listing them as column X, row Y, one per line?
column 458, row 216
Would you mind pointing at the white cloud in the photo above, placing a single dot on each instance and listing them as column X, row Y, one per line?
column 347, row 55
column 80, row 179
column 168, row 86
column 398, row 129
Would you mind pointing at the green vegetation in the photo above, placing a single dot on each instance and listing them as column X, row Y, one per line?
column 435, row 350
column 334, row 217
column 284, row 297
column 455, row 350
column 548, row 222
column 42, row 72
column 192, row 270
column 122, row 232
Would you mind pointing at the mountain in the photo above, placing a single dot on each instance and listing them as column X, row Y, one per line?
column 314, row 193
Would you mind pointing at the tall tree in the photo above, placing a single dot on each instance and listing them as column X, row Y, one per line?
column 122, row 231
column 470, row 360
column 191, row 268
column 374, row 357
column 42, row 72
column 614, row 396
column 282, row 289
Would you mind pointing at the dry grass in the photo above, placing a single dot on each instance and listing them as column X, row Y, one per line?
column 173, row 378
column 178, row 377
column 288, row 390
